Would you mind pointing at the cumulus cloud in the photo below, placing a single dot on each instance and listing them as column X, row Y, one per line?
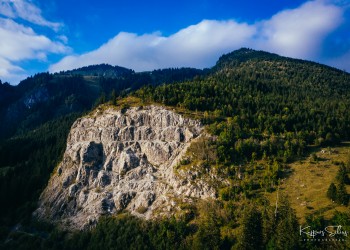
column 299, row 32
column 192, row 46
column 296, row 33
column 199, row 44
column 19, row 42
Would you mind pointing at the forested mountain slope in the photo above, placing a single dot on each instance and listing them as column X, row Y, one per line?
column 253, row 98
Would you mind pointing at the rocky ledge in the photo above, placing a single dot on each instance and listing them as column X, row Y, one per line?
column 122, row 160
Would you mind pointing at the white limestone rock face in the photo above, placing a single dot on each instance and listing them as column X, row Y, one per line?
column 117, row 161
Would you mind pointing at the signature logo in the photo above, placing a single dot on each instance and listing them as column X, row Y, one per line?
column 329, row 231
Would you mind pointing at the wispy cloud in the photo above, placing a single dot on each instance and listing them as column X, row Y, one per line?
column 19, row 42
column 8, row 71
column 27, row 11
column 296, row 32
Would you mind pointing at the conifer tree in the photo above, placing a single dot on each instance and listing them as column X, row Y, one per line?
column 287, row 227
column 342, row 175
column 332, row 192
column 113, row 99
column 252, row 233
column 342, row 195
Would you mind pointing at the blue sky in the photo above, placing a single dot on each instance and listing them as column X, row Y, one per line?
column 38, row 35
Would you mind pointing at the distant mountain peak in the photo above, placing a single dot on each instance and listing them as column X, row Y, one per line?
column 101, row 70
column 246, row 54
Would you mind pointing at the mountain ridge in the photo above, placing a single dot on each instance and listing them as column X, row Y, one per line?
column 63, row 91
column 245, row 54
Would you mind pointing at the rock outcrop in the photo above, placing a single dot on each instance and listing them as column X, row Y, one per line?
column 122, row 160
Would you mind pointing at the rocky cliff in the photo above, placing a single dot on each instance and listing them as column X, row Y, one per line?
column 123, row 160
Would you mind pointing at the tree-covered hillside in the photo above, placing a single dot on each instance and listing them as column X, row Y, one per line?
column 261, row 103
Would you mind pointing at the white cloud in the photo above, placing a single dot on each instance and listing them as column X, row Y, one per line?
column 8, row 71
column 19, row 43
column 297, row 33
column 195, row 46
column 199, row 44
column 27, row 11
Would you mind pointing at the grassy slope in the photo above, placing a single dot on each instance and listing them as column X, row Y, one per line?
column 307, row 182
